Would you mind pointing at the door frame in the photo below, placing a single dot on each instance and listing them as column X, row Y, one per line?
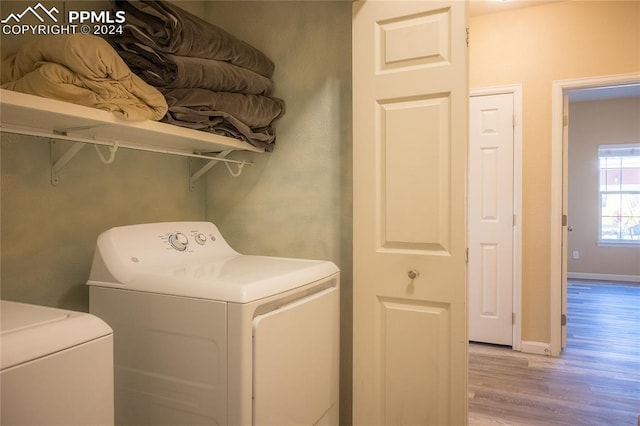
column 516, row 90
column 558, row 89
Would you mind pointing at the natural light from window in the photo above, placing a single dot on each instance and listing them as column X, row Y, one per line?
column 619, row 194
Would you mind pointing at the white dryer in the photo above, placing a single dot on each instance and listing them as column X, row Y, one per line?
column 57, row 367
column 207, row 336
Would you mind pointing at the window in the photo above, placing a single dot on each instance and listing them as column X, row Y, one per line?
column 619, row 194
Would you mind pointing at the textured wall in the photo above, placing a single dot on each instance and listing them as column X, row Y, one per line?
column 49, row 232
column 296, row 201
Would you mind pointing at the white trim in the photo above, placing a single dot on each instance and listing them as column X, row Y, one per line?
column 557, row 91
column 603, row 277
column 516, row 90
column 538, row 348
column 618, row 243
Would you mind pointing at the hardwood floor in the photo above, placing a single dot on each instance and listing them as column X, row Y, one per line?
column 596, row 380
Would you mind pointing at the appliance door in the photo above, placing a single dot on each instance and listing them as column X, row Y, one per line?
column 72, row 387
column 296, row 362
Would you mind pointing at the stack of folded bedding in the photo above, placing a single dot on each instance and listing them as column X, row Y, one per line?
column 211, row 80
column 82, row 69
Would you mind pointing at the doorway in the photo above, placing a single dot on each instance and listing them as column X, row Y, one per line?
column 495, row 215
column 559, row 181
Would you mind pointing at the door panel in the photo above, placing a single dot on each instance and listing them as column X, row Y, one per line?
column 410, row 137
column 414, row 220
column 491, row 212
column 415, row 373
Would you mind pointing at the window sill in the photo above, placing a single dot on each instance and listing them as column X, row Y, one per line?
column 627, row 243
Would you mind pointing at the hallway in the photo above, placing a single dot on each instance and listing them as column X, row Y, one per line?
column 596, row 381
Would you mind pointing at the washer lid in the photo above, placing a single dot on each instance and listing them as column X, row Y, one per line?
column 29, row 332
column 239, row 278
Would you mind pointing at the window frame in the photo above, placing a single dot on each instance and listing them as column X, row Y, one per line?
column 632, row 149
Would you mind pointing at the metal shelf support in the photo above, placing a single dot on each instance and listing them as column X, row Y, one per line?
column 59, row 161
column 212, row 162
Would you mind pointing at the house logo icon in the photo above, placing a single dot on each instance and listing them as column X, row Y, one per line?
column 38, row 11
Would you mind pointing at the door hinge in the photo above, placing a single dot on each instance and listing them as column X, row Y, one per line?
column 513, row 318
column 565, row 120
column 467, row 37
column 515, row 220
column 563, row 319
column 466, row 255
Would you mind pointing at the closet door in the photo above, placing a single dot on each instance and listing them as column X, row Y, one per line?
column 410, row 157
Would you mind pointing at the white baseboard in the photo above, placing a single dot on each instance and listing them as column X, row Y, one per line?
column 538, row 348
column 603, row 277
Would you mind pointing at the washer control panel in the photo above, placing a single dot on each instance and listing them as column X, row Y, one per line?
column 164, row 243
column 180, row 241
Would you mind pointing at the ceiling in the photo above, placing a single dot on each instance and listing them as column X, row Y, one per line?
column 483, row 7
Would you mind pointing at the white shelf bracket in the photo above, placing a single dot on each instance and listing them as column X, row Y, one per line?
column 59, row 162
column 212, row 162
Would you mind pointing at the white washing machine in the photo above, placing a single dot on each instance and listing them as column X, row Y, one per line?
column 57, row 367
column 207, row 336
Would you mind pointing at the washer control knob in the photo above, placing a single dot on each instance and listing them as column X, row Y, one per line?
column 201, row 238
column 178, row 241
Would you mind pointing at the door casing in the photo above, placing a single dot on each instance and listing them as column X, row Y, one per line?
column 557, row 201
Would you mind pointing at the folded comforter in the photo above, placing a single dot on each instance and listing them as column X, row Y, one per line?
column 82, row 69
column 169, row 29
column 174, row 72
column 246, row 117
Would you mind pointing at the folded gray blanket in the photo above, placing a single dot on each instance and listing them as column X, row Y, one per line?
column 170, row 29
column 173, row 72
column 246, row 117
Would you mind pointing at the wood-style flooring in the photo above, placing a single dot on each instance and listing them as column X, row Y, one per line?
column 596, row 380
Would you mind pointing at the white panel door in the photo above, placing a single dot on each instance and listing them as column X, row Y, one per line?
column 491, row 218
column 410, row 140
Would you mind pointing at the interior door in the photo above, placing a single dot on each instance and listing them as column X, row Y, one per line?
column 491, row 218
column 410, row 156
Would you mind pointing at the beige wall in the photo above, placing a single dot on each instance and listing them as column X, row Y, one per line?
column 296, row 201
column 534, row 47
column 593, row 123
